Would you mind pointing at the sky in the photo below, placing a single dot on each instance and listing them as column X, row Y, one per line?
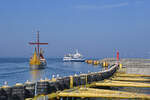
column 97, row 28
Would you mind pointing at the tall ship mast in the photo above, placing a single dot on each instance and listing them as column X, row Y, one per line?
column 37, row 61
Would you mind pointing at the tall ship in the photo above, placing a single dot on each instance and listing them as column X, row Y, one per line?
column 37, row 60
column 76, row 57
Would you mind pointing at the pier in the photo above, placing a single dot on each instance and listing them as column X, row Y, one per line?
column 45, row 87
column 90, row 85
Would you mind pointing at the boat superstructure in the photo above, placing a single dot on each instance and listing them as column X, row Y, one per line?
column 37, row 61
column 77, row 57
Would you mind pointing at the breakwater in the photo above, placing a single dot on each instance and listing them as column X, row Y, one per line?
column 31, row 89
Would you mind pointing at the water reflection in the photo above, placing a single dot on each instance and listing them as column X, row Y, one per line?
column 37, row 74
column 73, row 64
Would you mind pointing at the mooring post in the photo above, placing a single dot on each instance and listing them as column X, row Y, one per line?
column 71, row 81
column 35, row 88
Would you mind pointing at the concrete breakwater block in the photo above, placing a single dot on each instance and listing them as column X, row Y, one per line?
column 53, row 87
column 97, row 77
column 82, row 79
column 66, row 82
column 76, row 81
column 105, row 75
column 18, row 92
column 5, row 93
column 59, row 85
column 29, row 89
column 43, row 87
column 91, row 78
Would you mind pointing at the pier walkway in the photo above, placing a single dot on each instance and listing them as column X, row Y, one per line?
column 121, row 84
column 101, row 93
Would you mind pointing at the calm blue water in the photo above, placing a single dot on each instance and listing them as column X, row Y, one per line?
column 14, row 70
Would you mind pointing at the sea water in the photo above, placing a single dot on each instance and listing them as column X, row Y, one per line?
column 17, row 70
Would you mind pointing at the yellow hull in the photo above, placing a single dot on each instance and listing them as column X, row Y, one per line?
column 37, row 67
column 36, row 63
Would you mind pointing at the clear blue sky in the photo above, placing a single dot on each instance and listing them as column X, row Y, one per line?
column 96, row 27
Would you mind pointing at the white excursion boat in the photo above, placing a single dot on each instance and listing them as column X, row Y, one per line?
column 77, row 57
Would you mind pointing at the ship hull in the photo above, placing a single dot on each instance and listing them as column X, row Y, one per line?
column 32, row 67
column 73, row 60
column 41, row 66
